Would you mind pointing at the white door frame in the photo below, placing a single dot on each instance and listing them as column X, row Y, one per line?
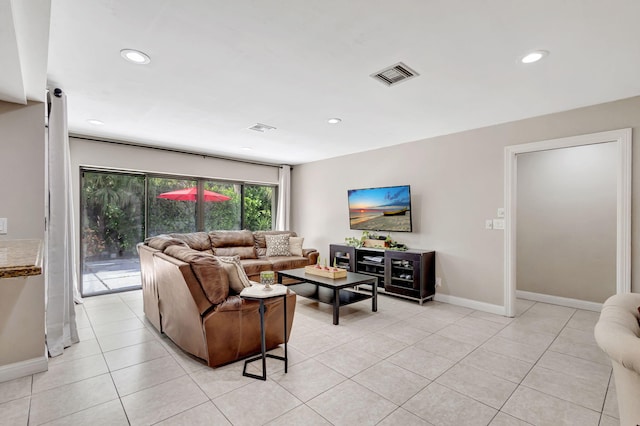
column 623, row 241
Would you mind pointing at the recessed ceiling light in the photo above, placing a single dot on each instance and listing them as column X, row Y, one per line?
column 95, row 122
column 135, row 56
column 247, row 148
column 334, row 120
column 534, row 56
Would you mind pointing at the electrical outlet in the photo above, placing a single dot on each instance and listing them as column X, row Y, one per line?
column 488, row 224
column 501, row 212
column 438, row 281
column 498, row 223
column 3, row 225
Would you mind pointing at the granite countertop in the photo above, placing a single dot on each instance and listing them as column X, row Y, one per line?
column 20, row 258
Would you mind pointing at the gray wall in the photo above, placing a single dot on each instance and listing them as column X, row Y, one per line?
column 22, row 195
column 457, row 181
column 137, row 158
column 22, row 147
column 566, row 222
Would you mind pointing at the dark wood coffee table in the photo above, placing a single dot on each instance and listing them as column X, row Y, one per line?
column 335, row 292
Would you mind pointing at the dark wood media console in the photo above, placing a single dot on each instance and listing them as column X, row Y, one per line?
column 410, row 273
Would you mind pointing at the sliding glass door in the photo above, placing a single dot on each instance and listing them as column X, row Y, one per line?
column 112, row 223
column 121, row 209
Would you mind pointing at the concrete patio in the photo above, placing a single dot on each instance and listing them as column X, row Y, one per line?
column 107, row 275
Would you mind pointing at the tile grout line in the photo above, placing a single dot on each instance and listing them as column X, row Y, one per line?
column 446, row 370
column 532, row 366
column 368, row 332
column 529, row 371
column 538, row 360
column 604, row 402
column 463, row 358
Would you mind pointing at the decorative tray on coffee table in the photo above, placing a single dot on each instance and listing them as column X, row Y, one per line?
column 323, row 272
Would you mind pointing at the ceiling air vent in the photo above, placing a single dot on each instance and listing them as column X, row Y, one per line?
column 395, row 74
column 259, row 127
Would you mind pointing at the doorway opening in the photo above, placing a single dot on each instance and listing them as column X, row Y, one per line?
column 622, row 139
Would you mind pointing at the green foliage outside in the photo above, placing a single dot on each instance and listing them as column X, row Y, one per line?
column 113, row 214
column 223, row 214
column 257, row 207
column 166, row 216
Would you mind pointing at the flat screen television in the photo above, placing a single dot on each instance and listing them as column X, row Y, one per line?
column 380, row 209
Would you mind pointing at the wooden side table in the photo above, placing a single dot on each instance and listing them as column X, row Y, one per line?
column 257, row 292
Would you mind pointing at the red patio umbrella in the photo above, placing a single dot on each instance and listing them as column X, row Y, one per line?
column 191, row 194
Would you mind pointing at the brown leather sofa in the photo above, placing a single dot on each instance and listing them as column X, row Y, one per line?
column 187, row 296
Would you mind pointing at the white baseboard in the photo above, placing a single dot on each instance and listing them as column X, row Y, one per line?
column 557, row 300
column 23, row 368
column 469, row 303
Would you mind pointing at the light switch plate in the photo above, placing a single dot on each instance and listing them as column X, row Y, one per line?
column 488, row 224
column 501, row 212
column 3, row 225
column 498, row 223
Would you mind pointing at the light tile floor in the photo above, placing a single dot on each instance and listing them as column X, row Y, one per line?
column 407, row 364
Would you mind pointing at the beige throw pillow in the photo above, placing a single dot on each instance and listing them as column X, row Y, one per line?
column 238, row 279
column 295, row 245
column 277, row 245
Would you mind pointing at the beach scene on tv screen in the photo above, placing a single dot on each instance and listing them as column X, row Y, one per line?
column 380, row 209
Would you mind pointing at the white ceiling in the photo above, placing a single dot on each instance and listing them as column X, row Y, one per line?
column 219, row 67
column 24, row 39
